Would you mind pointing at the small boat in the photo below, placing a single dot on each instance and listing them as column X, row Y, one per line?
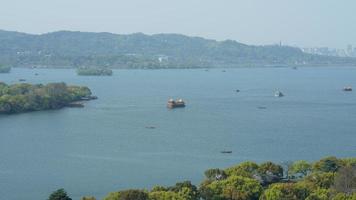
column 225, row 151
column 175, row 104
column 278, row 94
column 294, row 68
column 36, row 74
column 347, row 89
column 22, row 80
column 150, row 127
column 262, row 107
column 237, row 90
column 223, row 70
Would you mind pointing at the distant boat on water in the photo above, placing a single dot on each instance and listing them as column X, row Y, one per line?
column 175, row 103
column 347, row 89
column 278, row 94
column 225, row 151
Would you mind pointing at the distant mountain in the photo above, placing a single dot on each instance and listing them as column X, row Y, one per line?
column 75, row 49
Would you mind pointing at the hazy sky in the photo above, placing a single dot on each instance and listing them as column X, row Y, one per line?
column 302, row 23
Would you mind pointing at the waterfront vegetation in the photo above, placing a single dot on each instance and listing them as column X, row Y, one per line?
column 94, row 71
column 24, row 97
column 327, row 179
column 4, row 69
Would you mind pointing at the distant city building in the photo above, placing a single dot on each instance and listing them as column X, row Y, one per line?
column 350, row 51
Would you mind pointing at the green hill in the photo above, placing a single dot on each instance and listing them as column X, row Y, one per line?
column 75, row 49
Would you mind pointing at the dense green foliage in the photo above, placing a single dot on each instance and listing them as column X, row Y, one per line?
column 94, row 71
column 327, row 179
column 60, row 194
column 25, row 97
column 76, row 49
column 4, row 69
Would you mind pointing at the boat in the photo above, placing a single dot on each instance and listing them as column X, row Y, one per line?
column 278, row 94
column 22, row 80
column 225, row 151
column 150, row 127
column 237, row 90
column 347, row 89
column 175, row 103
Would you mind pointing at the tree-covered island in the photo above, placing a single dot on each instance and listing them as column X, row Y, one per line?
column 24, row 97
column 4, row 69
column 94, row 71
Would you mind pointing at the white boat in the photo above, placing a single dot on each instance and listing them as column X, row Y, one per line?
column 278, row 94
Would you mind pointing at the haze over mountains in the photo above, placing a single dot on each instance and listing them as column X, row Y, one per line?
column 75, row 49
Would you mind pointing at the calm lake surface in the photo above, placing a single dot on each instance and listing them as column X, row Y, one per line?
column 105, row 146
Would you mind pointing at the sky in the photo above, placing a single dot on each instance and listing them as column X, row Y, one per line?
column 303, row 23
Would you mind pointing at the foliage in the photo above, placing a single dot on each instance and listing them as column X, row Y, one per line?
column 25, row 97
column 321, row 179
column 215, row 174
column 70, row 49
column 319, row 194
column 97, row 71
column 290, row 191
column 246, row 169
column 236, row 187
column 270, row 173
column 345, row 180
column 300, row 167
column 327, row 179
column 88, row 198
column 329, row 164
column 59, row 194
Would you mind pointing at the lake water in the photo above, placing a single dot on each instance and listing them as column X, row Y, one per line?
column 105, row 146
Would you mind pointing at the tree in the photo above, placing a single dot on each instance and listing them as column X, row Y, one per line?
column 215, row 174
column 300, row 167
column 241, row 188
column 345, row 180
column 329, row 164
column 133, row 195
column 319, row 194
column 88, row 198
column 270, row 172
column 59, row 194
column 246, row 169
column 321, row 179
column 286, row 191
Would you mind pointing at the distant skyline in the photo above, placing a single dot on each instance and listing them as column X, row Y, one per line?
column 302, row 23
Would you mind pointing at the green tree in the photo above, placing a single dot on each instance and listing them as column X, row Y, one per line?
column 329, row 164
column 88, row 198
column 59, row 194
column 246, row 169
column 215, row 174
column 319, row 194
column 286, row 191
column 270, row 173
column 237, row 187
column 133, row 195
column 301, row 167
